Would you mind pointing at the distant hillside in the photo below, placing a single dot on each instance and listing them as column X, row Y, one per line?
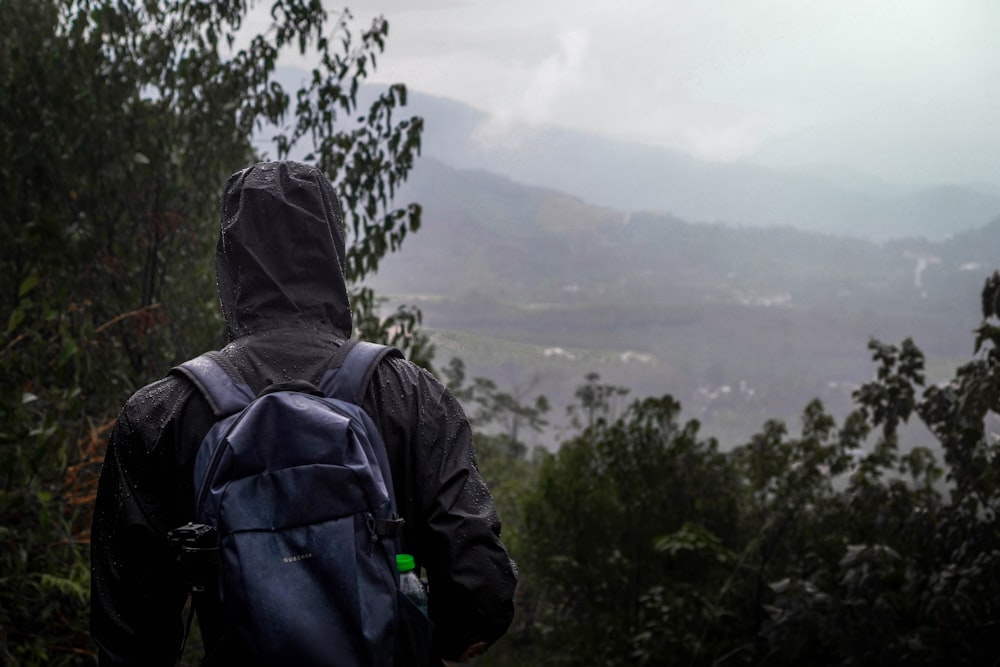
column 742, row 291
column 632, row 177
column 485, row 231
column 739, row 323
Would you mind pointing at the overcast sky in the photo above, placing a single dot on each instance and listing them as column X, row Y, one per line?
column 906, row 90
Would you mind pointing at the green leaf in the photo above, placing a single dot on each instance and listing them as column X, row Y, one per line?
column 65, row 586
column 69, row 349
column 15, row 319
column 27, row 285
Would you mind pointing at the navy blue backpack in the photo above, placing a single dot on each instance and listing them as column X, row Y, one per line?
column 296, row 486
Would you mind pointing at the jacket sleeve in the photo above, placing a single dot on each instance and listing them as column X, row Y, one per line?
column 137, row 590
column 453, row 527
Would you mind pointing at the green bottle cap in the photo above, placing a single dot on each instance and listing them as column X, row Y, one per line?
column 404, row 563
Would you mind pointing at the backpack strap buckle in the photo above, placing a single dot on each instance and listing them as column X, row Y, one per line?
column 199, row 551
column 389, row 528
column 193, row 537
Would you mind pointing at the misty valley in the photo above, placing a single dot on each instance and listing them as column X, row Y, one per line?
column 536, row 288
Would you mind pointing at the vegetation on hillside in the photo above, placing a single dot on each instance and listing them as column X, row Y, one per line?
column 738, row 323
column 641, row 543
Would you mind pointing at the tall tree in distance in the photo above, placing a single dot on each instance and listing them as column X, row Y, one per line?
column 121, row 121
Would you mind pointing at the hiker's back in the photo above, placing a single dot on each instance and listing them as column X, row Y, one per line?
column 298, row 488
column 280, row 270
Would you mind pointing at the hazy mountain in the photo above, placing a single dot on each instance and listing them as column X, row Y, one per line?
column 486, row 230
column 743, row 291
column 632, row 177
column 530, row 285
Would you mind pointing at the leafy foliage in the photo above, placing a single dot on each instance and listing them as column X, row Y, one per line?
column 642, row 544
column 603, row 540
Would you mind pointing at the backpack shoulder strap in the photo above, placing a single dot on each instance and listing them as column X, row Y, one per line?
column 352, row 369
column 217, row 380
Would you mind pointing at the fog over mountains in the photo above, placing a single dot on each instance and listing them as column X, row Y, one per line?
column 632, row 177
column 742, row 291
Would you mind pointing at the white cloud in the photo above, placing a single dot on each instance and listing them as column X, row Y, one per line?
column 722, row 78
column 553, row 77
column 538, row 90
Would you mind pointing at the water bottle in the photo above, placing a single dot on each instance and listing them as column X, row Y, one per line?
column 410, row 583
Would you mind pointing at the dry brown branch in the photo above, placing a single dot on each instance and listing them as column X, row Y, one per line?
column 145, row 310
column 81, row 479
column 14, row 342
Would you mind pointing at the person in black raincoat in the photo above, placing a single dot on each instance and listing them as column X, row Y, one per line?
column 279, row 262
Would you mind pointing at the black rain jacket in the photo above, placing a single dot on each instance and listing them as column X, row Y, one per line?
column 279, row 263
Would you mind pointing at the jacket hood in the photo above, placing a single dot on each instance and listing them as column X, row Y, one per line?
column 280, row 257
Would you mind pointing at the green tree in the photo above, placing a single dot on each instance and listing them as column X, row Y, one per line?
column 858, row 550
column 596, row 400
column 618, row 525
column 121, row 122
column 839, row 546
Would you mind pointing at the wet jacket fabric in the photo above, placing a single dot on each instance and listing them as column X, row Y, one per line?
column 279, row 264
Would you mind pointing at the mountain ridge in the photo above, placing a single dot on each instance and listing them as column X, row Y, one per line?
column 561, row 287
column 531, row 270
column 628, row 176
